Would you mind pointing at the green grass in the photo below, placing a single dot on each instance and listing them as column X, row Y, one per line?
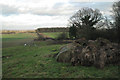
column 8, row 37
column 52, row 34
column 10, row 40
column 34, row 62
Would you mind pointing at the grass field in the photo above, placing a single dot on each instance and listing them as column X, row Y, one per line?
column 53, row 34
column 33, row 61
column 10, row 40
column 8, row 37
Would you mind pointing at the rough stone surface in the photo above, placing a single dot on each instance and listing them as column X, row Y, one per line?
column 98, row 53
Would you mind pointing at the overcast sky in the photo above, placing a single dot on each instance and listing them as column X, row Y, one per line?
column 33, row 14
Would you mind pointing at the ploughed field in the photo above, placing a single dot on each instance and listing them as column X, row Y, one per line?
column 22, row 57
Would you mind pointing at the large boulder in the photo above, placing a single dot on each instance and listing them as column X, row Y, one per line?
column 65, row 53
column 99, row 53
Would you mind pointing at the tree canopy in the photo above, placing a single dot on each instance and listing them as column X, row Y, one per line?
column 116, row 16
column 86, row 17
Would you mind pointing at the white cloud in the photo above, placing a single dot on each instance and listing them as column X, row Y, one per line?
column 39, row 7
column 29, row 21
column 93, row 0
column 30, row 14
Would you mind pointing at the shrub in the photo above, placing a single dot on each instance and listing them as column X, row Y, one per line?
column 72, row 32
column 62, row 36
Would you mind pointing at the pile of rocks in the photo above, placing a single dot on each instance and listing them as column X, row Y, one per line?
column 99, row 53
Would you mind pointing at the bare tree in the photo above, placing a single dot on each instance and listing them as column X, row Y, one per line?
column 86, row 17
column 116, row 11
column 104, row 24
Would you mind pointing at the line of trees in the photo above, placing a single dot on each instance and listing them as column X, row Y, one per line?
column 56, row 29
column 91, row 24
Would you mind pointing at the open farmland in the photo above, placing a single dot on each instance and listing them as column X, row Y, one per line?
column 33, row 60
column 9, row 40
